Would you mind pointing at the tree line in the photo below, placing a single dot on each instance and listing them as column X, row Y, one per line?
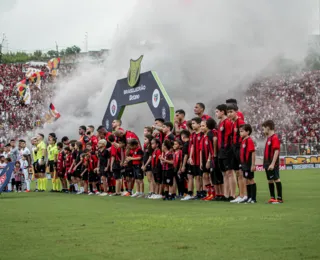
column 38, row 55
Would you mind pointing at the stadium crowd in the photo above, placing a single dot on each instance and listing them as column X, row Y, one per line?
column 17, row 118
column 293, row 101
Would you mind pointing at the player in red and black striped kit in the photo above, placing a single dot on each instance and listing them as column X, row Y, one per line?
column 117, row 158
column 194, row 157
column 177, row 165
column 135, row 157
column 156, row 168
column 61, row 167
column 167, row 170
column 225, row 151
column 248, row 159
column 271, row 161
column 206, row 155
column 236, row 142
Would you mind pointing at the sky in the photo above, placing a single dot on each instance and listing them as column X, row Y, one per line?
column 66, row 22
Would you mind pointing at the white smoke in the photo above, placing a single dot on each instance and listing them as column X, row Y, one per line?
column 202, row 51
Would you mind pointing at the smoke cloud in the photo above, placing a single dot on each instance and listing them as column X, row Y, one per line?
column 203, row 51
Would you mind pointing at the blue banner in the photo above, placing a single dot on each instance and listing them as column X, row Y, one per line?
column 5, row 175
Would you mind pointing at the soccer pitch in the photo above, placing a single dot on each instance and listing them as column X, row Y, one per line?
column 66, row 226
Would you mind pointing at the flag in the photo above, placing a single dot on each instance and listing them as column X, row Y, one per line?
column 27, row 96
column 35, row 78
column 53, row 66
column 24, row 93
column 31, row 71
column 5, row 175
column 52, row 115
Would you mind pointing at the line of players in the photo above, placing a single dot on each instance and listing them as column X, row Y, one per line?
column 178, row 159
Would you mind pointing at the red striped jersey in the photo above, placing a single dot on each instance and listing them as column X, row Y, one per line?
column 206, row 148
column 167, row 156
column 155, row 161
column 92, row 163
column 177, row 159
column 160, row 136
column 246, row 150
column 136, row 153
column 60, row 162
column 205, row 117
column 272, row 144
column 116, row 153
column 240, row 115
column 236, row 138
column 224, row 134
column 196, row 146
column 68, row 161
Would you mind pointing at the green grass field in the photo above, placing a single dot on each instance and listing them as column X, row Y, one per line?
column 64, row 226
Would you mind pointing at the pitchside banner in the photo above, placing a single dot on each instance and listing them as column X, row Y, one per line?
column 301, row 162
column 138, row 88
column 5, row 175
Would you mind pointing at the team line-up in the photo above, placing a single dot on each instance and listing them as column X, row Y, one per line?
column 187, row 160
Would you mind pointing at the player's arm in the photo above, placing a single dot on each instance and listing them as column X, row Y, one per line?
column 84, row 172
column 253, row 161
column 274, row 159
column 169, row 161
column 191, row 154
column 215, row 146
column 112, row 162
column 180, row 164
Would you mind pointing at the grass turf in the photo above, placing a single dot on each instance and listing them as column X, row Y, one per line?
column 64, row 226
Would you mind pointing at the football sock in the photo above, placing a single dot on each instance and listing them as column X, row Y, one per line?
column 166, row 193
column 190, row 193
column 254, row 191
column 271, row 189
column 91, row 187
column 76, row 187
column 248, row 191
column 40, row 184
column 53, row 184
column 58, row 185
column 279, row 189
column 45, row 181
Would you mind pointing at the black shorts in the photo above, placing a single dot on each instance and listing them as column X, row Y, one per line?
column 148, row 168
column 103, row 172
column 196, row 171
column 248, row 174
column 117, row 174
column 129, row 172
column 167, row 177
column 69, row 175
column 235, row 161
column 51, row 165
column 272, row 175
column 157, row 174
column 225, row 164
column 85, row 176
column 39, row 168
column 77, row 173
column 92, row 177
column 110, row 174
column 138, row 173
column 216, row 173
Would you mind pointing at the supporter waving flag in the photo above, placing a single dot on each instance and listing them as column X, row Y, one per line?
column 52, row 115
